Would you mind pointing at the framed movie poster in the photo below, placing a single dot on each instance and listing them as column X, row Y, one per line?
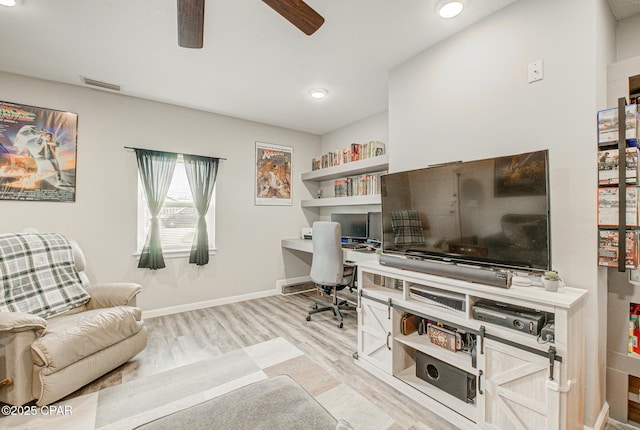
column 37, row 153
column 273, row 174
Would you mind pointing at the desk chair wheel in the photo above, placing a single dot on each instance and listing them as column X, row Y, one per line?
column 315, row 307
column 340, row 324
column 308, row 318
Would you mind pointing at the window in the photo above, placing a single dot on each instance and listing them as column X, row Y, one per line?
column 178, row 216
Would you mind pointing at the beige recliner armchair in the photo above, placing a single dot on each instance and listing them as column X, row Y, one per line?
column 47, row 359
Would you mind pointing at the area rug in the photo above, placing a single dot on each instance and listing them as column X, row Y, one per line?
column 149, row 398
column 275, row 403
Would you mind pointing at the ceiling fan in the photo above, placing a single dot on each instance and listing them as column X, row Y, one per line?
column 191, row 19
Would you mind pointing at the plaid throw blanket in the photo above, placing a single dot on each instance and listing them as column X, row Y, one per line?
column 407, row 228
column 38, row 275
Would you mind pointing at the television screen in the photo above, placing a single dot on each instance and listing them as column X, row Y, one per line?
column 493, row 211
column 353, row 226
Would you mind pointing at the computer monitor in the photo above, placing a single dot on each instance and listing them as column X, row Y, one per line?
column 374, row 226
column 353, row 226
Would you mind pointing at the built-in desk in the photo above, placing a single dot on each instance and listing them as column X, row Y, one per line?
column 350, row 255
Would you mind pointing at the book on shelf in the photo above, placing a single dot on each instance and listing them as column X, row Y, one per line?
column 362, row 185
column 634, row 328
column 608, row 125
column 608, row 162
column 345, row 155
column 355, row 152
column 340, row 188
column 608, row 249
column 609, row 202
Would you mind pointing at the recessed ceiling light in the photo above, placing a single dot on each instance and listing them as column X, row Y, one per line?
column 8, row 2
column 450, row 9
column 318, row 93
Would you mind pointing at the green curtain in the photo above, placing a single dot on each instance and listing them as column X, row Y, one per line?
column 156, row 171
column 201, row 174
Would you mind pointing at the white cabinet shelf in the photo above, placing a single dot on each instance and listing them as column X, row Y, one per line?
column 461, row 360
column 512, row 367
column 468, row 410
column 368, row 165
column 342, row 201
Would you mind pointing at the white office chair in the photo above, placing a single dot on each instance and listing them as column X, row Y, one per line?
column 327, row 269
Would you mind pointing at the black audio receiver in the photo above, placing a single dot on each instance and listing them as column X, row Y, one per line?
column 517, row 318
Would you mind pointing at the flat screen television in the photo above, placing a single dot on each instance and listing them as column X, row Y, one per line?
column 492, row 212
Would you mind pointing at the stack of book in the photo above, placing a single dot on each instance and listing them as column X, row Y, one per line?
column 355, row 152
column 363, row 185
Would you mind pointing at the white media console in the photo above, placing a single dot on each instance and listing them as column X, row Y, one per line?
column 521, row 381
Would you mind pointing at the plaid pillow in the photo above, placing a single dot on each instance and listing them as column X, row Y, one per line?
column 38, row 275
column 407, row 228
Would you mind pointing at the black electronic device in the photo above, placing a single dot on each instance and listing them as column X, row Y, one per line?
column 352, row 226
column 374, row 227
column 354, row 245
column 446, row 377
column 487, row 213
column 495, row 277
column 524, row 320
column 436, row 296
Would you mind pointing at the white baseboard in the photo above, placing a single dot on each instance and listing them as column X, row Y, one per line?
column 601, row 421
column 207, row 304
column 290, row 281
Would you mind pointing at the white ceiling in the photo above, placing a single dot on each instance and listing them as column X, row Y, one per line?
column 254, row 65
column 624, row 8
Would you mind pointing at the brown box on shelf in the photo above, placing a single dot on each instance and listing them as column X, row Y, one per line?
column 634, row 385
column 410, row 324
column 444, row 338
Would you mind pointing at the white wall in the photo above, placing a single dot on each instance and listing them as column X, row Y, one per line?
column 627, row 37
column 103, row 219
column 468, row 98
column 375, row 127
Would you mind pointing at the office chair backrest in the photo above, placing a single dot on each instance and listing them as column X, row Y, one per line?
column 326, row 267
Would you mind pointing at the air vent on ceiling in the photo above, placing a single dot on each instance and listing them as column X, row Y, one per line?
column 99, row 84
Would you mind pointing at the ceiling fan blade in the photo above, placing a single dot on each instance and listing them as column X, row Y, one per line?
column 190, row 23
column 298, row 13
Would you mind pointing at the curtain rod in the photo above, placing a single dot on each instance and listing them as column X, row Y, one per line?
column 179, row 153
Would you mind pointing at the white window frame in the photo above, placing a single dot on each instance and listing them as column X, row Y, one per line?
column 172, row 251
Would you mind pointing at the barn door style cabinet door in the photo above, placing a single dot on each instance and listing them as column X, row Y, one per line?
column 374, row 334
column 513, row 391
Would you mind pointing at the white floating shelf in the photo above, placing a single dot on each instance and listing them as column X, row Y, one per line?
column 368, row 165
column 342, row 201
